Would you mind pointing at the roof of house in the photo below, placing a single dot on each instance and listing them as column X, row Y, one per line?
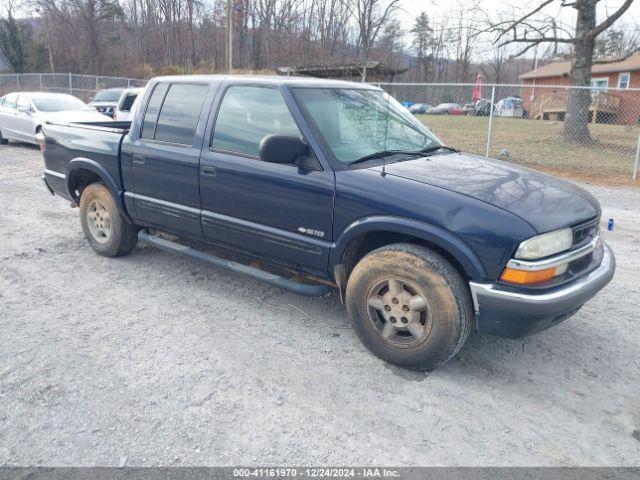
column 559, row 69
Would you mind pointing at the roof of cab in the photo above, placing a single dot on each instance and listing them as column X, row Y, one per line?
column 267, row 80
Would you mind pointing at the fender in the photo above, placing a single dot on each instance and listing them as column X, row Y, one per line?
column 447, row 241
column 93, row 166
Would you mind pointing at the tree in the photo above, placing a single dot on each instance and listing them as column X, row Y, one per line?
column 531, row 29
column 371, row 16
column 617, row 43
column 14, row 40
column 422, row 41
column 494, row 67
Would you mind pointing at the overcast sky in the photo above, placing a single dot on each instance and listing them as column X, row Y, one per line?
column 413, row 7
column 498, row 8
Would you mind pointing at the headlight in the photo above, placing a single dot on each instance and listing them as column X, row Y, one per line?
column 545, row 245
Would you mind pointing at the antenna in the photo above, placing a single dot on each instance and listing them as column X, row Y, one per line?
column 386, row 142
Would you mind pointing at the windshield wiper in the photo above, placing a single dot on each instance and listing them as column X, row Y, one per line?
column 388, row 153
column 435, row 148
column 383, row 154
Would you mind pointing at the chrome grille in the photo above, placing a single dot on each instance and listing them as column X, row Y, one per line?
column 584, row 233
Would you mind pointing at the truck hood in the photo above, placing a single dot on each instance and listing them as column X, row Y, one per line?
column 68, row 116
column 545, row 202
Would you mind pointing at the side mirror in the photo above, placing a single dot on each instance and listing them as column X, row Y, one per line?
column 24, row 110
column 284, row 149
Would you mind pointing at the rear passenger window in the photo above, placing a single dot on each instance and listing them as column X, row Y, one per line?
column 247, row 115
column 180, row 111
column 127, row 102
column 153, row 107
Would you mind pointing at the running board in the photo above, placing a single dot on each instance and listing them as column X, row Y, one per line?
column 275, row 280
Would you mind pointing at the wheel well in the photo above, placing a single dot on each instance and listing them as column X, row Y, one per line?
column 81, row 179
column 367, row 242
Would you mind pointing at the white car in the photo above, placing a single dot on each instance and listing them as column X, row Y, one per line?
column 127, row 104
column 22, row 114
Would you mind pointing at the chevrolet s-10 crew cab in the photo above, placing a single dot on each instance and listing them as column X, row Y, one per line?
column 339, row 185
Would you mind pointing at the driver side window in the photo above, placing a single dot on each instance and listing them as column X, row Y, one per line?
column 247, row 114
column 23, row 102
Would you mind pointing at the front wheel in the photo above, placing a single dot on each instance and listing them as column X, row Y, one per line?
column 409, row 306
column 3, row 141
column 108, row 233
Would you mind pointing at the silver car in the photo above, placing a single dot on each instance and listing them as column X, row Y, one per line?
column 105, row 101
column 22, row 114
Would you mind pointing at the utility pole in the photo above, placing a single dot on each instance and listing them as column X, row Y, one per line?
column 229, row 36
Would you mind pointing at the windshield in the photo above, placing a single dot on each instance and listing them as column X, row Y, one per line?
column 57, row 103
column 107, row 96
column 356, row 123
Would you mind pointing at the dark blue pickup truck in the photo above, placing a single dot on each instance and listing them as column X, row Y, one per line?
column 337, row 184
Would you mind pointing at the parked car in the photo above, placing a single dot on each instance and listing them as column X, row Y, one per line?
column 106, row 100
column 468, row 109
column 443, row 108
column 339, row 183
column 509, row 107
column 418, row 108
column 22, row 114
column 459, row 110
column 482, row 107
column 127, row 104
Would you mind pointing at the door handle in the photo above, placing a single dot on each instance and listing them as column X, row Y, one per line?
column 138, row 158
column 209, row 171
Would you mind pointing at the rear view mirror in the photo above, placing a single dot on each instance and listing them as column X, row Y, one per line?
column 284, row 149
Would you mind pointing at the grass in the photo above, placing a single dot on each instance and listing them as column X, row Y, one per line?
column 540, row 144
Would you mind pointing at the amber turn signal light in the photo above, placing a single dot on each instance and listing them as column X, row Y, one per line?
column 527, row 277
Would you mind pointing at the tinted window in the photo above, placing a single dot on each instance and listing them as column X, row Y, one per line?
column 246, row 115
column 180, row 112
column 127, row 102
column 153, row 107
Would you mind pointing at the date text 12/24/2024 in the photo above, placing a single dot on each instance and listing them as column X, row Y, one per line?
column 317, row 472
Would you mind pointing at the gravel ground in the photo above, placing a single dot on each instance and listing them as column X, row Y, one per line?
column 153, row 359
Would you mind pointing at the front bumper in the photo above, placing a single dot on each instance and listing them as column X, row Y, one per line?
column 508, row 313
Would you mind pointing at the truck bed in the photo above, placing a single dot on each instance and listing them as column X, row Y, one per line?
column 66, row 142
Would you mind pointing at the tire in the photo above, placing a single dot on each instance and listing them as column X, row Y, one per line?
column 3, row 141
column 409, row 306
column 108, row 233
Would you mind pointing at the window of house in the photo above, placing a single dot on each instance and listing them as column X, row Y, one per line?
column 599, row 83
column 247, row 114
column 623, row 80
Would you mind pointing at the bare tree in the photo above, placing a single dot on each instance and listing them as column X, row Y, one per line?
column 494, row 69
column 532, row 29
column 371, row 16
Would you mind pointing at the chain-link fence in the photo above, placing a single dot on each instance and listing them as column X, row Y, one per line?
column 82, row 86
column 530, row 125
